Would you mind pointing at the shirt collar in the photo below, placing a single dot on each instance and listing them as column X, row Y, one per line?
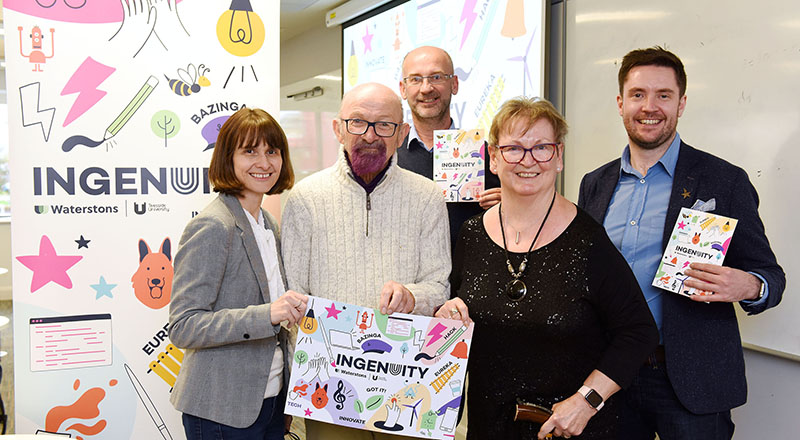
column 668, row 160
column 414, row 136
column 255, row 223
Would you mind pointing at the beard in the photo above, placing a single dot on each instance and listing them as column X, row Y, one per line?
column 365, row 161
column 651, row 143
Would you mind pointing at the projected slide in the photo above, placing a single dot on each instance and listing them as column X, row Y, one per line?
column 496, row 46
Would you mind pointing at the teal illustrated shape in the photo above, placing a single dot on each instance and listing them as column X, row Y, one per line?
column 358, row 406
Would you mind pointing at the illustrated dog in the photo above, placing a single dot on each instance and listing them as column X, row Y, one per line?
column 152, row 282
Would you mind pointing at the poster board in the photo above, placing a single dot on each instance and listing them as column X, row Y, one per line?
column 113, row 111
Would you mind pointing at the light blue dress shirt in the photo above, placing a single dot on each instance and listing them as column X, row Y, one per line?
column 636, row 217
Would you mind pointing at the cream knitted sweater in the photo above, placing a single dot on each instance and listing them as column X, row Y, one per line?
column 341, row 244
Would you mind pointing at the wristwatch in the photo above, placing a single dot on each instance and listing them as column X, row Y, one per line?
column 593, row 398
column 761, row 291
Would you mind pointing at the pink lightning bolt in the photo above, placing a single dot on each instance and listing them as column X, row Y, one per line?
column 84, row 82
column 435, row 333
column 468, row 14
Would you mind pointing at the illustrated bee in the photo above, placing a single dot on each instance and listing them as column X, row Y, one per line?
column 189, row 81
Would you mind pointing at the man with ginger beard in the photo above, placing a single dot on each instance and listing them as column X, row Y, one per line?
column 365, row 231
column 428, row 85
column 688, row 386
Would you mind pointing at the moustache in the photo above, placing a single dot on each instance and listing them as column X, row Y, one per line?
column 378, row 144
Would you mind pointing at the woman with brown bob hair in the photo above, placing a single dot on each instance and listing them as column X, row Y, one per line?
column 229, row 295
column 560, row 319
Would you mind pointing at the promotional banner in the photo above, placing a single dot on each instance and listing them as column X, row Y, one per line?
column 398, row 373
column 114, row 108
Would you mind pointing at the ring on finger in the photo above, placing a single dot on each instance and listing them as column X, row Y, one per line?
column 454, row 312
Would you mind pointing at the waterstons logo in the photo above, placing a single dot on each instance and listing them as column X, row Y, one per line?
column 40, row 209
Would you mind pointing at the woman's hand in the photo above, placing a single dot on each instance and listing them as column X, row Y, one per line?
column 569, row 417
column 291, row 306
column 454, row 309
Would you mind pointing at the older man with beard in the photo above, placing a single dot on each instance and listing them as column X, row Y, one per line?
column 365, row 231
column 428, row 85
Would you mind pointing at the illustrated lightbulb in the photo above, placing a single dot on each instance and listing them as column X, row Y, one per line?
column 240, row 31
column 352, row 66
column 308, row 324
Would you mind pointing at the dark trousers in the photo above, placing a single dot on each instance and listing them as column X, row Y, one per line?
column 268, row 426
column 650, row 406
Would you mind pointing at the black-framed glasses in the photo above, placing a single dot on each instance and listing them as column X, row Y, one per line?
column 514, row 154
column 435, row 79
column 359, row 126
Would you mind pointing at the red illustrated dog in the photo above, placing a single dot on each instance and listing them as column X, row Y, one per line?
column 152, row 282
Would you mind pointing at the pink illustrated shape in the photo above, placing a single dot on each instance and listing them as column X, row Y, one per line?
column 84, row 82
column 49, row 266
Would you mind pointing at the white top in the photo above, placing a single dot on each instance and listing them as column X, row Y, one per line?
column 265, row 240
column 338, row 243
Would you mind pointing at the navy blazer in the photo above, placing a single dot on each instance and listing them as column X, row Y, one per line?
column 704, row 357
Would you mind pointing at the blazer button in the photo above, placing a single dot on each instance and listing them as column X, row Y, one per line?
column 246, row 335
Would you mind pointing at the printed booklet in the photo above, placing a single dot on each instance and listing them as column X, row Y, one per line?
column 458, row 163
column 698, row 237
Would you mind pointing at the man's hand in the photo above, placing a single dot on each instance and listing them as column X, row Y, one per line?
column 727, row 283
column 489, row 198
column 396, row 298
column 569, row 417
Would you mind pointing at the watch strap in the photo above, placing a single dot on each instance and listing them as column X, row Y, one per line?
column 593, row 398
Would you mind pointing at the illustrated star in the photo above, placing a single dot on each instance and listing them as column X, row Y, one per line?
column 686, row 194
column 82, row 242
column 439, row 145
column 681, row 225
column 103, row 288
column 49, row 266
column 367, row 38
column 333, row 312
column 308, row 412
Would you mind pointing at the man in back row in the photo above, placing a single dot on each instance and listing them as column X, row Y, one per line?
column 689, row 384
column 428, row 85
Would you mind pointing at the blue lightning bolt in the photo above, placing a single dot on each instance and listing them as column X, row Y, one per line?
column 467, row 14
column 84, row 82
column 29, row 96
column 435, row 333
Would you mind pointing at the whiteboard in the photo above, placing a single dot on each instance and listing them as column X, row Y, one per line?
column 743, row 104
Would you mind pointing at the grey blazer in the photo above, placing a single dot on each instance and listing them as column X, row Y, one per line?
column 220, row 314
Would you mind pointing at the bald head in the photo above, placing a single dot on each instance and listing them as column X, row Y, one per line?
column 375, row 96
column 428, row 55
column 379, row 109
column 429, row 95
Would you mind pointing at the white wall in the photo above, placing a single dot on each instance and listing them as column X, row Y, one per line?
column 773, row 385
column 311, row 53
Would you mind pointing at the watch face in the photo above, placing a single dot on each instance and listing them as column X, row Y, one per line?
column 594, row 398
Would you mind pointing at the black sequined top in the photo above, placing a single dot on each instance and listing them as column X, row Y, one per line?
column 583, row 311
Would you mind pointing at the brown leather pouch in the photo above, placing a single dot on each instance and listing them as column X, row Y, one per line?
column 531, row 412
